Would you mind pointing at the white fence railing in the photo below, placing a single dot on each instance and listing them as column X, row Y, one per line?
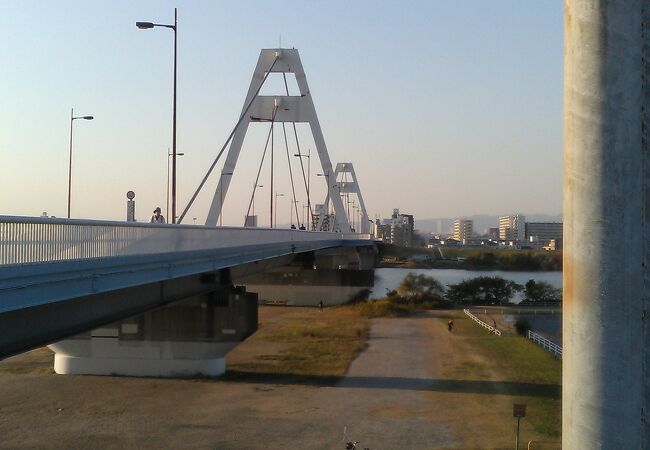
column 481, row 323
column 36, row 239
column 545, row 343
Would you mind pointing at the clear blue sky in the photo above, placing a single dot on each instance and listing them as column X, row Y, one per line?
column 446, row 108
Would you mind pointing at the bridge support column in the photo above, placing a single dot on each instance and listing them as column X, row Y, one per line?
column 188, row 338
column 333, row 276
column 604, row 397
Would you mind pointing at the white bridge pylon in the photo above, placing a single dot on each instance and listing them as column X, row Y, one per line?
column 347, row 187
column 277, row 108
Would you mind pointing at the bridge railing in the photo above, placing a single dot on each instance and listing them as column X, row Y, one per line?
column 40, row 239
column 546, row 343
column 481, row 323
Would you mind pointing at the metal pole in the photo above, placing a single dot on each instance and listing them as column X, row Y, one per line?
column 167, row 204
column 221, row 191
column 517, row 435
column 271, row 190
column 174, row 122
column 604, row 382
column 70, row 163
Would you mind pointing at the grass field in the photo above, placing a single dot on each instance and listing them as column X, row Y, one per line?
column 305, row 343
column 516, row 360
column 320, row 344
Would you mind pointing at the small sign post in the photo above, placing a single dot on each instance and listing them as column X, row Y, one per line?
column 518, row 411
column 130, row 207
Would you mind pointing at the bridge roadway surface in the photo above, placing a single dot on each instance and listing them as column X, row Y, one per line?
column 59, row 277
column 408, row 390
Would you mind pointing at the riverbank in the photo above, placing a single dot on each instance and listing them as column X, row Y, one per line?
column 413, row 385
column 479, row 259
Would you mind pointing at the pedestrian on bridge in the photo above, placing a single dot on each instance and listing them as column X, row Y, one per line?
column 157, row 216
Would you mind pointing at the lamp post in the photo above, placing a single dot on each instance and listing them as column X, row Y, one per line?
column 327, row 179
column 168, row 155
column 276, row 208
column 146, row 26
column 72, row 119
column 254, row 189
column 221, row 190
column 294, row 203
column 308, row 156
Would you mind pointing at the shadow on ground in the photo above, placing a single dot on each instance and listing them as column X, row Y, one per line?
column 409, row 384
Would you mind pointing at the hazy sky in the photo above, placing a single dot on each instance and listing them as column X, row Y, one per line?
column 446, row 108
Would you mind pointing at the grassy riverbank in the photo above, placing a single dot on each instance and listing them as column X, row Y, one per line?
column 515, row 360
column 473, row 259
column 303, row 341
column 487, row 372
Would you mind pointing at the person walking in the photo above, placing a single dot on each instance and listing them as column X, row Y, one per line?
column 157, row 216
column 320, row 306
column 450, row 325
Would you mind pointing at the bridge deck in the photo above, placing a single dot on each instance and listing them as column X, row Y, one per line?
column 99, row 270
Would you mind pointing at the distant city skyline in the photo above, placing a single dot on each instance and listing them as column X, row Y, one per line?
column 446, row 109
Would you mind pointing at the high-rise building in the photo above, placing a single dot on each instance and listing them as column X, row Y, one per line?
column 463, row 229
column 544, row 231
column 397, row 230
column 512, row 228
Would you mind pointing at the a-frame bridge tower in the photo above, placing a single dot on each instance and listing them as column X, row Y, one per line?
column 277, row 108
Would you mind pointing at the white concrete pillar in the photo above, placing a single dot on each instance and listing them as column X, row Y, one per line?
column 604, row 229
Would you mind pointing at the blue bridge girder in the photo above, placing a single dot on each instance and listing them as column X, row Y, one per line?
column 60, row 277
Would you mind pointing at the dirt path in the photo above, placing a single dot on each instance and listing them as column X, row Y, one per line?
column 384, row 389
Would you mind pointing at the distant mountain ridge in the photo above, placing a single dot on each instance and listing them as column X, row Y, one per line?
column 482, row 222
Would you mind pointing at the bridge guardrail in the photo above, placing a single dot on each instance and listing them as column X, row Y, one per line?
column 481, row 323
column 40, row 239
column 545, row 343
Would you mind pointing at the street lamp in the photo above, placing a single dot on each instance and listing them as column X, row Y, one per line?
column 221, row 191
column 293, row 202
column 327, row 179
column 276, row 208
column 146, row 26
column 168, row 155
column 308, row 156
column 72, row 119
column 254, row 189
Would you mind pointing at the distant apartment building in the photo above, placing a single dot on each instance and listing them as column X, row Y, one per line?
column 398, row 230
column 493, row 233
column 512, row 228
column 544, row 231
column 462, row 229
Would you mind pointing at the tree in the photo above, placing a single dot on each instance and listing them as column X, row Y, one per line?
column 541, row 292
column 483, row 291
column 417, row 288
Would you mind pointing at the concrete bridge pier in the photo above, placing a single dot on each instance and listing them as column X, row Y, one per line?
column 605, row 332
column 333, row 276
column 187, row 338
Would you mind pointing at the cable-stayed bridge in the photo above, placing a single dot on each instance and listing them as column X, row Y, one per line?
column 156, row 299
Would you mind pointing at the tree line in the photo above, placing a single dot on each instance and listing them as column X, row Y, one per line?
column 484, row 290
